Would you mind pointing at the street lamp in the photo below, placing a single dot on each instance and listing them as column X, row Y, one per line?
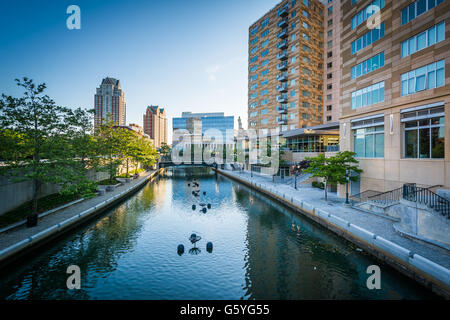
column 347, row 177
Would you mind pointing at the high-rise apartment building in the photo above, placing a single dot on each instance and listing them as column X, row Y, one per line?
column 396, row 91
column 155, row 125
column 110, row 100
column 286, row 56
column 332, row 61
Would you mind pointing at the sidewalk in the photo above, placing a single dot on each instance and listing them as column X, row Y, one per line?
column 21, row 233
column 375, row 224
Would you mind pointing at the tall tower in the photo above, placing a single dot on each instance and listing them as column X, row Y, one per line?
column 155, row 124
column 110, row 100
column 286, row 56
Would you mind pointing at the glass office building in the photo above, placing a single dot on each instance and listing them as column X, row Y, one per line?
column 203, row 122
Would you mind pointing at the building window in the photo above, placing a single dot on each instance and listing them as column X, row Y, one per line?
column 265, row 23
column 367, row 96
column 264, row 44
column 367, row 39
column 264, row 82
column 306, row 82
column 254, row 31
column 292, row 93
column 329, row 86
column 417, row 8
column 253, row 50
column 330, row 33
column 253, row 95
column 264, row 92
column 253, row 114
column 254, row 41
column 253, row 105
column 254, row 59
column 306, row 3
column 305, row 25
column 306, row 37
column 424, row 133
column 368, row 138
column 329, row 54
column 328, row 118
column 292, row 105
column 264, row 102
column 329, row 97
column 423, row 40
column 264, row 72
column 253, row 69
column 329, row 108
column 254, row 86
column 265, row 33
column 306, row 93
column 306, row 14
column 264, row 111
column 330, row 22
column 369, row 65
column 306, row 60
column 330, row 10
column 253, row 78
column 264, row 62
column 264, row 53
column 367, row 12
column 424, row 78
column 252, row 123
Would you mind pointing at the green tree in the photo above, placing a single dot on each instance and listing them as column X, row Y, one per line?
column 110, row 142
column 165, row 150
column 33, row 125
column 333, row 169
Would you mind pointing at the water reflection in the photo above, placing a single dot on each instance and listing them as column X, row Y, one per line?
column 262, row 250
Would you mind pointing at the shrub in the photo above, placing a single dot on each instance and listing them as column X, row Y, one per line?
column 317, row 184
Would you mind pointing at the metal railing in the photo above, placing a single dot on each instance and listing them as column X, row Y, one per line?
column 363, row 196
column 409, row 192
column 430, row 199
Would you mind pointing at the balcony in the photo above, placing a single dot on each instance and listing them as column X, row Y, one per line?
column 282, row 45
column 282, row 88
column 283, row 12
column 283, row 34
column 283, row 55
column 282, row 66
column 282, row 120
column 282, row 77
column 283, row 23
column 282, row 98
column 282, row 108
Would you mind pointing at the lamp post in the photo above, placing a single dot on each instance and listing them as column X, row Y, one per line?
column 347, row 177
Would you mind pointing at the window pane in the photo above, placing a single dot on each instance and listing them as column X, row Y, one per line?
column 431, row 4
column 412, row 45
column 431, row 80
column 440, row 32
column 404, row 16
column 382, row 59
column 381, row 92
column 370, row 151
column 420, row 83
column 404, row 87
column 440, row 78
column 424, row 143
column 437, row 142
column 411, row 144
column 375, row 34
column 379, row 145
column 431, row 36
column 358, row 144
column 375, row 62
column 412, row 11
column 421, row 41
column 421, row 6
column 411, row 86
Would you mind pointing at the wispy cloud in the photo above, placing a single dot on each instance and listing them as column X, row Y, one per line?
column 212, row 72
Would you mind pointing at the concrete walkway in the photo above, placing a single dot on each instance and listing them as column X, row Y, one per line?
column 335, row 205
column 18, row 234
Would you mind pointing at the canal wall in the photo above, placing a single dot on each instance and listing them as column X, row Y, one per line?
column 426, row 272
column 21, row 248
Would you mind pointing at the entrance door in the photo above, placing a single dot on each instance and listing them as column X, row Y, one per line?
column 355, row 187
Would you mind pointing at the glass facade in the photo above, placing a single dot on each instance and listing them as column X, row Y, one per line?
column 415, row 9
column 423, row 40
column 424, row 134
column 221, row 123
column 312, row 143
column 369, row 65
column 367, row 96
column 368, row 138
column 368, row 38
column 367, row 12
column 427, row 77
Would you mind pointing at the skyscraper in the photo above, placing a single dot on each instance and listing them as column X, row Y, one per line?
column 155, row 125
column 395, row 92
column 110, row 100
column 286, row 56
column 332, row 65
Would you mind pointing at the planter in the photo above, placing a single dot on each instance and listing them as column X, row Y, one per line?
column 32, row 220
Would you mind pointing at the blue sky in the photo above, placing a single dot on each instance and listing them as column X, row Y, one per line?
column 182, row 55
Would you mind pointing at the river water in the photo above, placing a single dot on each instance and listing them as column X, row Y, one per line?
column 261, row 250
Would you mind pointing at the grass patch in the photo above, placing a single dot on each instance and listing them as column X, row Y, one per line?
column 108, row 182
column 44, row 204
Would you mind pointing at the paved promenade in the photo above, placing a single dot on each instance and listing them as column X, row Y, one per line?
column 18, row 234
column 375, row 224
